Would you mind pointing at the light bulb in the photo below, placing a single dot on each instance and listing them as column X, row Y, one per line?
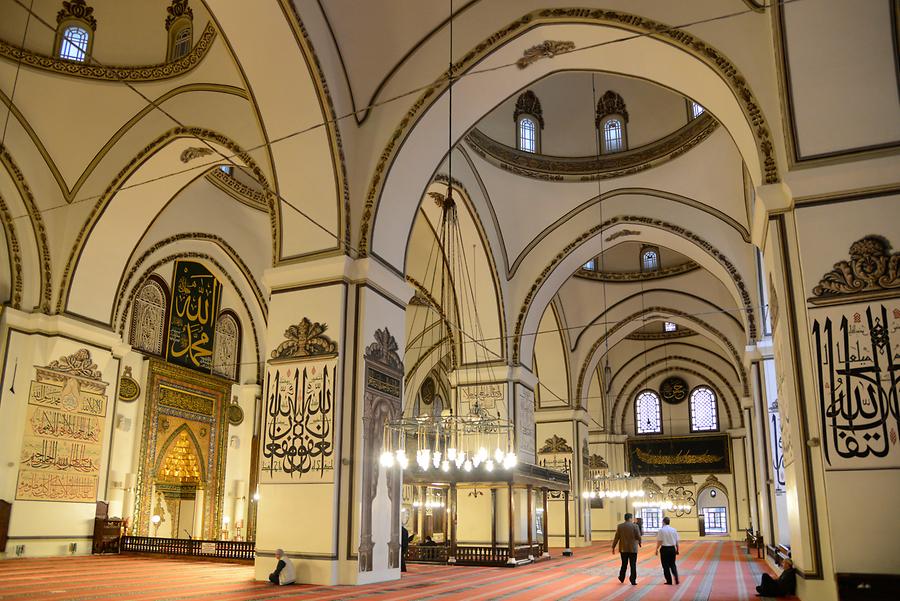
column 436, row 459
column 387, row 459
column 445, row 465
column 498, row 455
column 467, row 465
column 451, row 454
column 489, row 465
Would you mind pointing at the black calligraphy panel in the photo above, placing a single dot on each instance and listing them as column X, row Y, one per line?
column 858, row 377
column 196, row 296
column 681, row 455
column 299, row 420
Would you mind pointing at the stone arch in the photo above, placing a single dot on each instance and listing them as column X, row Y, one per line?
column 714, row 81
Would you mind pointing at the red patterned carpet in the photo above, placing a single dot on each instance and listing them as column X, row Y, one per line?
column 709, row 570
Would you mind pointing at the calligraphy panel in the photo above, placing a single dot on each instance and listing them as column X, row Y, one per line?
column 483, row 399
column 298, row 433
column 680, row 455
column 196, row 295
column 525, row 424
column 857, row 372
column 61, row 448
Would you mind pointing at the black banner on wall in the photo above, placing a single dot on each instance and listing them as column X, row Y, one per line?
column 679, row 455
column 196, row 295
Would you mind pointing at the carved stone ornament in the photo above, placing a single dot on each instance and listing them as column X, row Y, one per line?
column 306, row 339
column 528, row 104
column 651, row 488
column 555, row 444
column 597, row 462
column 129, row 389
column 384, row 350
column 78, row 363
column 872, row 269
column 711, row 480
column 679, row 480
column 77, row 9
column 176, row 10
column 194, row 152
column 546, row 49
column 610, row 104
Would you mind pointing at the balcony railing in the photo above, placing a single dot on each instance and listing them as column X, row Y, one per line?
column 212, row 549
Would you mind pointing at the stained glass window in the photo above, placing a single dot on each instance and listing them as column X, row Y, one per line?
column 647, row 413
column 74, row 44
column 613, row 136
column 527, row 136
column 704, row 410
column 650, row 260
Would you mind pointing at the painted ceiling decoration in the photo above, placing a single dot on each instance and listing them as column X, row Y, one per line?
column 546, row 49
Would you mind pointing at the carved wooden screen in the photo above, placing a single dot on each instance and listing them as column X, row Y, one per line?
column 148, row 319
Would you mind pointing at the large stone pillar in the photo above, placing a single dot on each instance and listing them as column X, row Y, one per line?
column 333, row 378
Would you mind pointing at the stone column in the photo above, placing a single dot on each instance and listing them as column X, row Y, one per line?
column 334, row 339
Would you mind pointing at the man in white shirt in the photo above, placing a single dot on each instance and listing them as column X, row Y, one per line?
column 284, row 572
column 667, row 549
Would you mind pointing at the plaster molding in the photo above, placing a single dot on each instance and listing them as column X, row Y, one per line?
column 306, row 339
column 637, row 276
column 871, row 272
column 591, row 168
column 139, row 73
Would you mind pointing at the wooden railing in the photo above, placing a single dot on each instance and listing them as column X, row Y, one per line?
column 212, row 549
column 427, row 553
column 478, row 555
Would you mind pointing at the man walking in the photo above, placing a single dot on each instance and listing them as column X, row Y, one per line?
column 628, row 537
column 667, row 549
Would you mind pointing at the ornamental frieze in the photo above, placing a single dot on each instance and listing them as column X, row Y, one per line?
column 637, row 276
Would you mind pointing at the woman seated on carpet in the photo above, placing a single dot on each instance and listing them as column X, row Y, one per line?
column 284, row 571
column 784, row 586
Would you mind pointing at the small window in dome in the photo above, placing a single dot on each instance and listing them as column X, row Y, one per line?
column 527, row 137
column 669, row 326
column 74, row 44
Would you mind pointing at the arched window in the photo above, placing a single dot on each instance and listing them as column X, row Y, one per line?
column 591, row 265
column 529, row 120
column 226, row 346
column 74, row 44
column 182, row 42
column 611, row 119
column 649, row 258
column 669, row 326
column 179, row 24
column 74, row 32
column 148, row 318
column 527, row 135
column 704, row 410
column 694, row 110
column 647, row 413
column 613, row 136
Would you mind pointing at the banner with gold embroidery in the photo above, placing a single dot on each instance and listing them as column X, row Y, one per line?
column 196, row 295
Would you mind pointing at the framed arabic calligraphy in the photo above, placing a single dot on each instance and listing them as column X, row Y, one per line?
column 679, row 455
column 63, row 440
column 673, row 390
column 857, row 373
column 196, row 296
column 298, row 434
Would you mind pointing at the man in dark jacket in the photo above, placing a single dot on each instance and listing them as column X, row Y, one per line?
column 628, row 537
column 784, row 586
column 404, row 547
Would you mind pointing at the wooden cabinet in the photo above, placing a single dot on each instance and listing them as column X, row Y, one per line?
column 107, row 532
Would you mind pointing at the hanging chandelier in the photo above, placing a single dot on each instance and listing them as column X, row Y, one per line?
column 613, row 486
column 480, row 438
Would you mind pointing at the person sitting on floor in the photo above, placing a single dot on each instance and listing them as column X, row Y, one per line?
column 284, row 571
column 784, row 586
column 429, row 542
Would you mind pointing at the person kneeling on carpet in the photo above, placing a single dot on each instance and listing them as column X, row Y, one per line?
column 284, row 571
column 784, row 586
